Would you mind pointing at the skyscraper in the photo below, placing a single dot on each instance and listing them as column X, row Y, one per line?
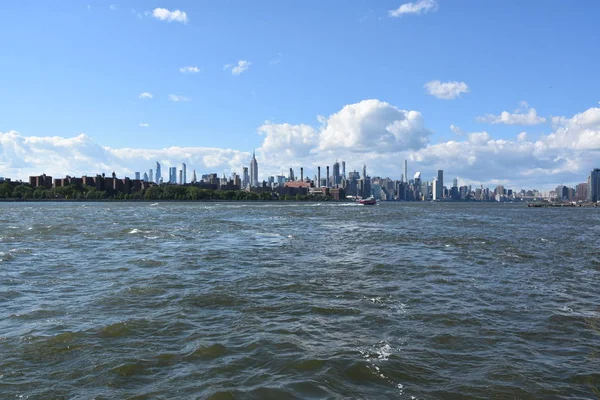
column 405, row 171
column 336, row 174
column 594, row 185
column 137, row 176
column 435, row 189
column 181, row 177
column 344, row 169
column 364, row 171
column 173, row 175
column 194, row 179
column 150, row 176
column 245, row 178
column 145, row 177
column 158, row 173
column 184, row 171
column 440, row 184
column 318, row 176
column 253, row 171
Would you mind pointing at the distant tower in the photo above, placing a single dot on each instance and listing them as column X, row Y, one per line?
column 173, row 175
column 336, row 174
column 194, row 177
column 440, row 184
column 327, row 178
column 181, row 177
column 291, row 175
column 365, row 171
column 245, row 178
column 405, row 171
column 184, row 170
column 318, row 176
column 145, row 177
column 137, row 176
column 253, row 171
column 150, row 176
column 344, row 169
column 302, row 174
column 158, row 173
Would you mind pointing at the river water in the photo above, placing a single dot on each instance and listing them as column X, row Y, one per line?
column 298, row 300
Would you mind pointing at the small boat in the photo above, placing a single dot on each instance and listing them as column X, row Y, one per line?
column 368, row 201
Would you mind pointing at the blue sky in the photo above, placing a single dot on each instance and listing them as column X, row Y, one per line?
column 69, row 69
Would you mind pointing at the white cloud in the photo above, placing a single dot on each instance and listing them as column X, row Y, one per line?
column 189, row 70
column 446, row 90
column 242, row 66
column 456, row 130
column 522, row 116
column 144, row 125
column 371, row 131
column 288, row 141
column 145, row 95
column 418, row 7
column 175, row 98
column 113, row 7
column 22, row 156
column 373, row 125
column 166, row 15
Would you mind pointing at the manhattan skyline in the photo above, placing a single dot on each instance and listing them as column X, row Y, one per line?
column 490, row 93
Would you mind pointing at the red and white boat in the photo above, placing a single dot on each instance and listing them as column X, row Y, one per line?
column 370, row 201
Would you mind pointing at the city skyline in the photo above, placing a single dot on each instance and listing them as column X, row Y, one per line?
column 238, row 76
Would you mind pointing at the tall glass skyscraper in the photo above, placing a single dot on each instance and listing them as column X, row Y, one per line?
column 158, row 173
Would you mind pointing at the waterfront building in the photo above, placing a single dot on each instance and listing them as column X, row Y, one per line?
column 405, row 171
column 173, row 175
column 194, row 176
column 344, row 169
column 158, row 173
column 181, row 177
column 594, row 185
column 336, row 174
column 253, row 171
column 184, row 171
column 245, row 178
column 435, row 189
column 581, row 192
column 440, row 184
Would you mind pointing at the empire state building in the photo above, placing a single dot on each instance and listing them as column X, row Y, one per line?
column 253, row 171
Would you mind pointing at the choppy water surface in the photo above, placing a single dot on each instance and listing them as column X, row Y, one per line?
column 303, row 300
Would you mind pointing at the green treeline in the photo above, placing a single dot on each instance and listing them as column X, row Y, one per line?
column 22, row 191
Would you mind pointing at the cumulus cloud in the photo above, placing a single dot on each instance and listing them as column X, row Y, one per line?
column 145, row 95
column 373, row 125
column 164, row 14
column 288, row 141
column 189, row 70
column 417, row 7
column 22, row 156
column 372, row 132
column 176, row 99
column 240, row 67
column 446, row 90
column 522, row 116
